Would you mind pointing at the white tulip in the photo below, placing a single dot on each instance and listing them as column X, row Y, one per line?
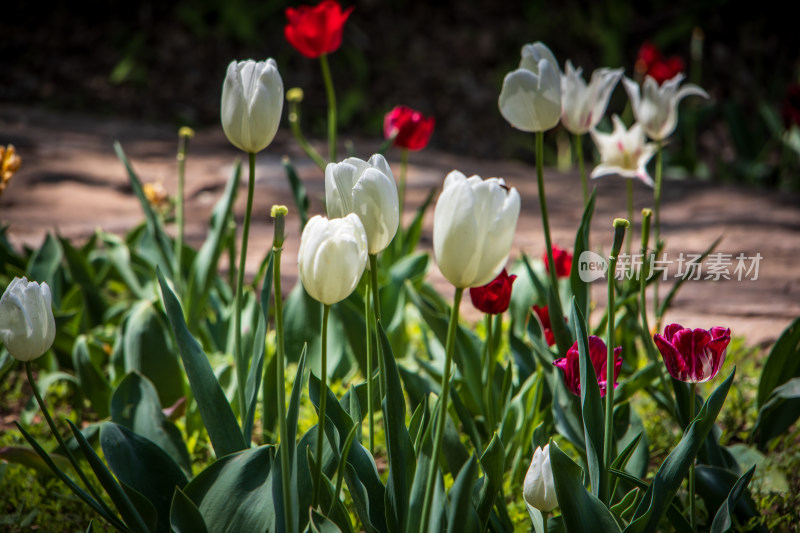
column 539, row 488
column 473, row 226
column 530, row 99
column 624, row 152
column 27, row 326
column 657, row 107
column 583, row 106
column 332, row 257
column 252, row 102
column 367, row 189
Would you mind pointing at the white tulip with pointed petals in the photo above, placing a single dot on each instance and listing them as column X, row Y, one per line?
column 656, row 108
column 583, row 106
column 539, row 488
column 368, row 189
column 27, row 325
column 530, row 99
column 252, row 102
column 624, row 152
column 473, row 226
column 332, row 257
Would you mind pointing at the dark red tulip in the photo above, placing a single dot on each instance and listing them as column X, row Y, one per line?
column 409, row 128
column 494, row 297
column 316, row 30
column 693, row 355
column 651, row 63
column 563, row 261
column 570, row 365
column 544, row 318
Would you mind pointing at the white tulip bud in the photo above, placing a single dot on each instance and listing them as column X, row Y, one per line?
column 657, row 107
column 530, row 99
column 583, row 106
column 539, row 487
column 367, row 189
column 332, row 257
column 252, row 101
column 473, row 227
column 27, row 326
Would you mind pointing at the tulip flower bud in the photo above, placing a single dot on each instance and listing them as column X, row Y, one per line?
column 473, row 226
column 693, row 355
column 332, row 257
column 367, row 189
column 656, row 108
column 530, row 99
column 27, row 326
column 539, row 487
column 252, row 101
column 583, row 106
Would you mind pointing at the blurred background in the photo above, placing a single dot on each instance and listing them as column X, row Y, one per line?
column 164, row 62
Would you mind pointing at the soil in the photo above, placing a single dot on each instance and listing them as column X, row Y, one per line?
column 72, row 183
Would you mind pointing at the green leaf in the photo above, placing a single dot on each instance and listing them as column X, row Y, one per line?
column 722, row 520
column 679, row 522
column 298, row 192
column 124, row 505
column 580, row 288
column 580, row 509
column 461, row 515
column 148, row 349
column 782, row 364
column 253, row 383
column 184, row 516
column 676, row 466
column 204, row 267
column 92, row 382
column 234, row 494
column 493, row 465
column 84, row 276
column 135, row 405
column 45, row 266
column 141, row 465
column 779, row 412
column 318, row 523
column 30, row 459
column 592, row 407
column 216, row 412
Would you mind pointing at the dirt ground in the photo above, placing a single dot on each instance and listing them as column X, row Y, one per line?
column 72, row 183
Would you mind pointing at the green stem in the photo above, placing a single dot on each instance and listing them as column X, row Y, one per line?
column 657, row 212
column 61, row 443
column 403, row 173
column 489, row 372
column 323, row 395
column 692, row 508
column 294, row 124
column 371, row 414
column 326, row 76
column 629, row 244
column 608, row 437
column 578, row 144
column 183, row 145
column 442, row 415
column 543, row 209
column 280, row 384
column 376, row 305
column 241, row 370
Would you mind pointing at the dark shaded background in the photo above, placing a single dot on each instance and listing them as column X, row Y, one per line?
column 165, row 62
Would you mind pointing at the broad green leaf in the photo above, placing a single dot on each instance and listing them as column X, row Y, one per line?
column 493, row 465
column 30, row 459
column 298, row 192
column 722, row 520
column 254, row 374
column 782, row 364
column 218, row 418
column 184, row 516
column 234, row 494
column 84, row 276
column 318, row 523
column 676, row 466
column 135, row 405
column 92, row 382
column 461, row 515
column 580, row 509
column 580, row 288
column 778, row 413
column 45, row 266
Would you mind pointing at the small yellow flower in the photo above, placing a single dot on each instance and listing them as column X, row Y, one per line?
column 9, row 164
column 156, row 194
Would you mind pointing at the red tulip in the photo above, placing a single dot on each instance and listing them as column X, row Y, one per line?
column 563, row 260
column 316, row 30
column 651, row 63
column 494, row 297
column 544, row 317
column 409, row 127
column 693, row 355
column 570, row 365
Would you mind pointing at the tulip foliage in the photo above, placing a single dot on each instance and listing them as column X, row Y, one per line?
column 400, row 415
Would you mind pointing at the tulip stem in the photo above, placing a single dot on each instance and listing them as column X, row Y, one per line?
column 61, row 443
column 657, row 212
column 489, row 364
column 577, row 142
column 183, row 147
column 543, row 208
column 442, row 415
column 692, row 509
column 376, row 305
column 370, row 412
column 294, row 124
column 326, row 76
column 608, row 437
column 629, row 244
column 280, row 384
column 403, row 173
column 323, row 395
column 241, row 371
